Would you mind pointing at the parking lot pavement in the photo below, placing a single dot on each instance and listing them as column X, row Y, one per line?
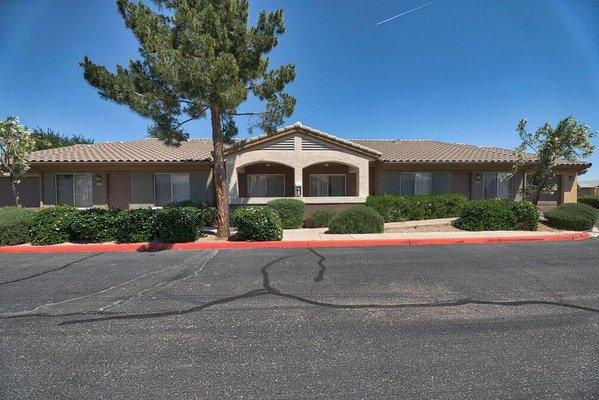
column 499, row 321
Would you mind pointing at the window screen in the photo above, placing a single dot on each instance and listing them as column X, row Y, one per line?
column 422, row 183
column 74, row 189
column 266, row 185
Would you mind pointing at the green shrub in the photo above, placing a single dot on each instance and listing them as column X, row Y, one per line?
column 592, row 201
column 498, row 215
column 527, row 215
column 95, row 225
column 577, row 217
column 15, row 223
column 52, row 225
column 136, row 226
column 320, row 219
column 178, row 224
column 395, row 208
column 207, row 212
column 257, row 224
column 290, row 211
column 357, row 219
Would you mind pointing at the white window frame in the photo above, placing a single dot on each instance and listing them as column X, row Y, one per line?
column 430, row 182
column 497, row 182
column 171, row 185
column 247, row 184
column 73, row 187
column 329, row 184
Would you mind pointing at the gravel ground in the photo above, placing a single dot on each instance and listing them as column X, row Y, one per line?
column 450, row 228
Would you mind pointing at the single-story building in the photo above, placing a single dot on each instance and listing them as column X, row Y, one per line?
column 323, row 170
column 588, row 188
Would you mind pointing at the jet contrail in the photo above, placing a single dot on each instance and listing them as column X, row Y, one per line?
column 406, row 12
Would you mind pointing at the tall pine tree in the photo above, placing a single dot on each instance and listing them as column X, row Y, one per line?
column 199, row 58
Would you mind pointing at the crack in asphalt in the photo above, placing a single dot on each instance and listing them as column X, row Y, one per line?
column 36, row 312
column 268, row 289
column 69, row 264
column 321, row 259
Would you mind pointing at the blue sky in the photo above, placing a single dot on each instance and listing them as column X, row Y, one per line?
column 456, row 70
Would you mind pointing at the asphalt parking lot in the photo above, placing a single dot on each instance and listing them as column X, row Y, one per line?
column 494, row 321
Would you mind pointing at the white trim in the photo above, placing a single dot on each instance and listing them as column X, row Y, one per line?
column 247, row 184
column 329, row 184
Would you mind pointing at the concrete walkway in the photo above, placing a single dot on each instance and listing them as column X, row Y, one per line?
column 319, row 234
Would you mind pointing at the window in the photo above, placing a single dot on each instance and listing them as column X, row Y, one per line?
column 170, row 188
column 327, row 185
column 415, row 183
column 266, row 185
column 496, row 186
column 74, row 190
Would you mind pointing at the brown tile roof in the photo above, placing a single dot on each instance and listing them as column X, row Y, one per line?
column 145, row 150
column 432, row 151
column 200, row 150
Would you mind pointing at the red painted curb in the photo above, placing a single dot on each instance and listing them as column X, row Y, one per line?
column 149, row 247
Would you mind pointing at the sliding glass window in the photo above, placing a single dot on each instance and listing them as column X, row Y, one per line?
column 74, row 190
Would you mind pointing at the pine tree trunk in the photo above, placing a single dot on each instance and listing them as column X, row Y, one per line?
column 220, row 178
column 15, row 192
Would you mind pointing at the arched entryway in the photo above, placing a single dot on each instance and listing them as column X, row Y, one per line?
column 265, row 179
column 330, row 179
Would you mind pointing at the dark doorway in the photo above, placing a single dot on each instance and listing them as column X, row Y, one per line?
column 119, row 192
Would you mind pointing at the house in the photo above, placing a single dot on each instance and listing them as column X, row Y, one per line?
column 588, row 188
column 322, row 170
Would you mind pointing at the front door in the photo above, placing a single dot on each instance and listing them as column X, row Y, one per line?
column 119, row 192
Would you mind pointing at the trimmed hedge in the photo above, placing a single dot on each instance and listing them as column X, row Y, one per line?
column 52, row 225
column 395, row 208
column 357, row 219
column 578, row 217
column 290, row 212
column 137, row 225
column 592, row 201
column 257, row 224
column 320, row 219
column 498, row 215
column 15, row 223
column 178, row 224
column 95, row 225
column 207, row 212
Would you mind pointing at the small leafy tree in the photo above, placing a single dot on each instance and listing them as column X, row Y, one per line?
column 199, row 57
column 569, row 140
column 15, row 145
column 50, row 139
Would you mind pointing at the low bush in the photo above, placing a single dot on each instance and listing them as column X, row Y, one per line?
column 207, row 212
column 577, row 217
column 290, row 211
column 137, row 225
column 52, row 225
column 15, row 223
column 357, row 219
column 498, row 215
column 320, row 219
column 592, row 201
column 395, row 208
column 95, row 225
column 527, row 215
column 178, row 224
column 257, row 224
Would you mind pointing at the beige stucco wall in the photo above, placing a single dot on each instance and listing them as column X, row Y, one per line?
column 297, row 159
